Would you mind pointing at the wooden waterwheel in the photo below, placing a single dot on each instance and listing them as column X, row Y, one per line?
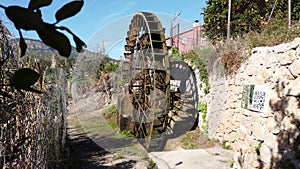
column 149, row 104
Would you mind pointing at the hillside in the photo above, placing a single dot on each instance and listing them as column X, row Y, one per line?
column 38, row 48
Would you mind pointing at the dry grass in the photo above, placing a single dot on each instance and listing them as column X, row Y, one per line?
column 196, row 140
column 234, row 52
column 231, row 60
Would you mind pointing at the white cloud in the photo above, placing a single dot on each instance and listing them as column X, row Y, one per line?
column 112, row 16
column 129, row 5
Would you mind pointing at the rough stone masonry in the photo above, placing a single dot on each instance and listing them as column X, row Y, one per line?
column 260, row 139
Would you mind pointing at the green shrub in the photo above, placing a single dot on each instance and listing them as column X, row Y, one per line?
column 175, row 54
column 111, row 67
column 105, row 66
column 198, row 60
column 202, row 107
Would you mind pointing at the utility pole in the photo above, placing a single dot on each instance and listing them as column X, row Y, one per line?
column 172, row 27
column 228, row 22
column 290, row 13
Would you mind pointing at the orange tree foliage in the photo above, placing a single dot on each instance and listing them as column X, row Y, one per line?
column 245, row 16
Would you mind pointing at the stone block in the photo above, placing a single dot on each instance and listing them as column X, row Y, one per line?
column 282, row 73
column 286, row 124
column 272, row 126
column 252, row 70
column 255, row 117
column 294, row 135
column 257, row 79
column 293, row 88
column 286, row 58
column 259, row 50
column 258, row 131
column 266, row 73
column 265, row 154
column 251, row 160
column 295, row 44
column 270, row 60
column 250, row 140
column 275, row 103
column 243, row 120
column 271, row 141
column 232, row 136
column 295, row 68
column 226, row 137
column 242, row 132
column 284, row 47
column 234, row 145
column 278, row 116
column 233, row 104
column 283, row 140
column 290, row 105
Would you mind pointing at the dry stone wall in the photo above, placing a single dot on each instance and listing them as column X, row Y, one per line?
column 266, row 139
column 216, row 99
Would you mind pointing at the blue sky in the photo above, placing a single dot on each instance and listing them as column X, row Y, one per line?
column 106, row 22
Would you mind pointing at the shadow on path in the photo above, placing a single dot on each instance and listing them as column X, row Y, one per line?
column 85, row 154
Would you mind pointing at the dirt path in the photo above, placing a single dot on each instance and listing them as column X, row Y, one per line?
column 86, row 154
column 94, row 144
column 87, row 139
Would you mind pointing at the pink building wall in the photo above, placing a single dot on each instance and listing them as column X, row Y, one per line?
column 188, row 39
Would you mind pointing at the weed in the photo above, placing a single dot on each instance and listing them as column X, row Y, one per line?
column 176, row 54
column 189, row 137
column 231, row 164
column 257, row 148
column 113, row 110
column 202, row 107
column 112, row 125
column 190, row 146
column 231, row 56
column 126, row 133
column 187, row 143
column 226, row 146
column 151, row 163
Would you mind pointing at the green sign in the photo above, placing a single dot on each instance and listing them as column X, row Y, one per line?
column 255, row 98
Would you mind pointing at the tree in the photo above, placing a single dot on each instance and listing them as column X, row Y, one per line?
column 296, row 10
column 30, row 18
column 245, row 16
